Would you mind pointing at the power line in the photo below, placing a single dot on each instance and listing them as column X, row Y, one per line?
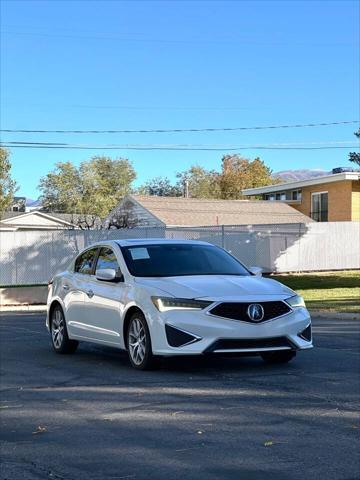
column 187, row 130
column 156, row 107
column 137, row 107
column 222, row 145
column 6, row 103
column 171, row 147
column 243, row 40
column 128, row 39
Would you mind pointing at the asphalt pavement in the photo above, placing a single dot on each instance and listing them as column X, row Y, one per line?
column 91, row 416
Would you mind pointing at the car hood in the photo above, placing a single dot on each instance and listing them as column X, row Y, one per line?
column 217, row 287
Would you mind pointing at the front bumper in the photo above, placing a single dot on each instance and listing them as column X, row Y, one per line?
column 201, row 333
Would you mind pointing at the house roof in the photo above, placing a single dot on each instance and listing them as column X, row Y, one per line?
column 76, row 218
column 6, row 227
column 6, row 215
column 337, row 177
column 66, row 219
column 34, row 219
column 179, row 211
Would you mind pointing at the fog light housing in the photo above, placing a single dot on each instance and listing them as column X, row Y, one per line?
column 306, row 334
column 178, row 338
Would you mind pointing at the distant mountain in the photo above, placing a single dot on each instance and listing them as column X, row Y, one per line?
column 302, row 174
column 33, row 203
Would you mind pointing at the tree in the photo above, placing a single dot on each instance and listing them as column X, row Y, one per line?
column 92, row 189
column 85, row 221
column 197, row 181
column 160, row 186
column 62, row 189
column 105, row 182
column 355, row 156
column 201, row 183
column 121, row 220
column 239, row 173
column 7, row 185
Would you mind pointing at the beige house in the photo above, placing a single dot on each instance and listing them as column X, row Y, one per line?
column 153, row 211
column 332, row 198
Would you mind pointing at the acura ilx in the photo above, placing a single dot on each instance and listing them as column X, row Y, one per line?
column 158, row 298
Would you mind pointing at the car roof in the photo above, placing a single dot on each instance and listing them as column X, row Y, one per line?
column 132, row 242
column 156, row 241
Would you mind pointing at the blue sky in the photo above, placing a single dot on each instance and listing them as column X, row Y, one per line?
column 133, row 65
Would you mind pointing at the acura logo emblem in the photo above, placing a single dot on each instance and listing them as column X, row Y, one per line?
column 255, row 312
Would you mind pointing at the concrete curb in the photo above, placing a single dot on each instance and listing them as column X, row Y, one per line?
column 335, row 315
column 23, row 296
column 23, row 308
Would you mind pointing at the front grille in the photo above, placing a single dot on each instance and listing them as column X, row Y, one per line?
column 238, row 311
column 250, row 344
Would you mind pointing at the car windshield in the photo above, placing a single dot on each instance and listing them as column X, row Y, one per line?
column 170, row 260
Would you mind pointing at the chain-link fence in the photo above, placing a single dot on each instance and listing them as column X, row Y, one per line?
column 32, row 257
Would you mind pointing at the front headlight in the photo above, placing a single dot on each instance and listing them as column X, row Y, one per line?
column 296, row 301
column 164, row 304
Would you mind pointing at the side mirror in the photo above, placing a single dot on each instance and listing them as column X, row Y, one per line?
column 257, row 271
column 108, row 275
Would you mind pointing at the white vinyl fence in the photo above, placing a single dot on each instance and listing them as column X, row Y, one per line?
column 32, row 257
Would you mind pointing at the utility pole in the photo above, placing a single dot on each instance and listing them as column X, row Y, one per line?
column 186, row 188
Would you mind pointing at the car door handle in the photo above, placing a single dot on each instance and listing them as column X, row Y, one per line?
column 90, row 293
column 66, row 287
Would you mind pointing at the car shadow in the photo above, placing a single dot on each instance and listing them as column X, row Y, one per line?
column 196, row 364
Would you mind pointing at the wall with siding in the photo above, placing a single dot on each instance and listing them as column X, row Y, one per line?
column 135, row 213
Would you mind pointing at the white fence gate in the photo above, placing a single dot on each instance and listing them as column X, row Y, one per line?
column 32, row 257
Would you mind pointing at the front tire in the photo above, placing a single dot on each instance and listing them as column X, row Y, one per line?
column 139, row 343
column 59, row 335
column 278, row 357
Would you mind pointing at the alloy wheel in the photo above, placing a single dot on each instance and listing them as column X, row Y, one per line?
column 137, row 341
column 57, row 329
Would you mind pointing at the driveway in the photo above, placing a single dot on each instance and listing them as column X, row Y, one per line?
column 90, row 416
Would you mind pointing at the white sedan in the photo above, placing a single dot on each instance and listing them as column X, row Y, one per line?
column 172, row 297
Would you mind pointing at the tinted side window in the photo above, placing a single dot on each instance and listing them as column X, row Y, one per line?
column 107, row 259
column 85, row 262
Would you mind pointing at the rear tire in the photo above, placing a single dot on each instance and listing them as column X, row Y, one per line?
column 278, row 357
column 138, row 343
column 59, row 335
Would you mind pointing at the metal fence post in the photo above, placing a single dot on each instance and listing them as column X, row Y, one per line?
column 16, row 260
column 223, row 236
column 299, row 250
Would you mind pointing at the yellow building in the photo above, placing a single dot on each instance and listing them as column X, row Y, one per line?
column 332, row 198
